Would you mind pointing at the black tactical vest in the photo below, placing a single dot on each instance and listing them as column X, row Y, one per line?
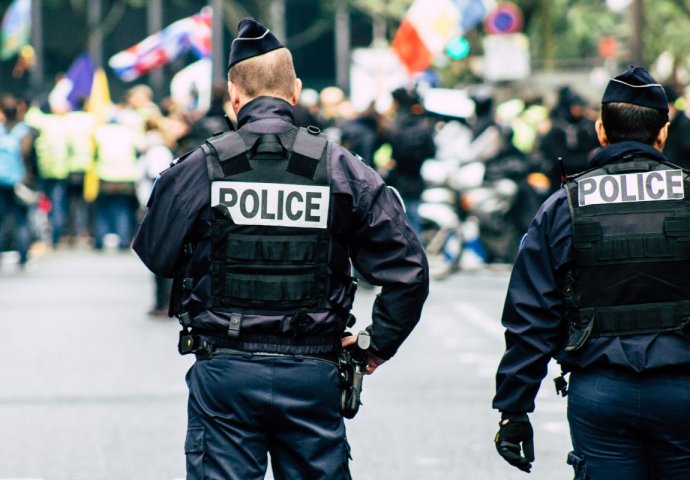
column 631, row 248
column 270, row 196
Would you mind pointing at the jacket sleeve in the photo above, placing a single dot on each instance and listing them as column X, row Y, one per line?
column 386, row 251
column 533, row 310
column 177, row 198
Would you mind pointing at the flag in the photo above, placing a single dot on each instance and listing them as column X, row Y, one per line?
column 75, row 86
column 16, row 28
column 80, row 74
column 429, row 24
column 200, row 34
column 99, row 102
column 188, row 34
column 100, row 105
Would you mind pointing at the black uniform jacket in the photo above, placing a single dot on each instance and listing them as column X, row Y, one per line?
column 532, row 314
column 366, row 215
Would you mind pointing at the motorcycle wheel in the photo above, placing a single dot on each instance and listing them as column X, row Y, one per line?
column 443, row 248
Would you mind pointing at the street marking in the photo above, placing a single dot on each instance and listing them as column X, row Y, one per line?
column 479, row 318
column 490, row 325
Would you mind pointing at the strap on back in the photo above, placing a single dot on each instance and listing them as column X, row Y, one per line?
column 226, row 155
column 638, row 319
column 306, row 153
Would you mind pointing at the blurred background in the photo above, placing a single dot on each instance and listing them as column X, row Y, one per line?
column 464, row 106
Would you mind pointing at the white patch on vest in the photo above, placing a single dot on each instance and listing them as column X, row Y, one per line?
column 273, row 204
column 631, row 187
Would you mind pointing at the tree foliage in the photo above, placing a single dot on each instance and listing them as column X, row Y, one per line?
column 666, row 25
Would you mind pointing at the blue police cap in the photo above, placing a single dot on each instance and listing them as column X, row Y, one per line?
column 253, row 39
column 636, row 86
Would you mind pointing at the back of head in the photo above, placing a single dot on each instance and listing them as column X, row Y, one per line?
column 259, row 64
column 271, row 73
column 8, row 109
column 634, row 107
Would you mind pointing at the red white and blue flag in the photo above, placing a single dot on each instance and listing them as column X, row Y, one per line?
column 428, row 25
column 188, row 34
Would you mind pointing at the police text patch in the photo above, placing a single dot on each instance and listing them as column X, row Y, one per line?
column 273, row 204
column 631, row 187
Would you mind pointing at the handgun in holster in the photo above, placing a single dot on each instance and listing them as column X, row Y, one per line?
column 352, row 364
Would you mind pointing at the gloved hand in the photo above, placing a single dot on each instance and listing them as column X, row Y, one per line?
column 515, row 430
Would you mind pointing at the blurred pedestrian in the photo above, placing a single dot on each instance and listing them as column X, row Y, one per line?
column 52, row 153
column 677, row 148
column 213, row 121
column 15, row 145
column 571, row 137
column 363, row 135
column 412, row 142
column 258, row 227
column 600, row 285
column 80, row 158
column 117, row 150
column 155, row 158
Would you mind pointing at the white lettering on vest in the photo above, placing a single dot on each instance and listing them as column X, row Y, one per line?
column 273, row 204
column 631, row 187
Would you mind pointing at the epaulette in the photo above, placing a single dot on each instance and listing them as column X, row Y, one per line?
column 181, row 158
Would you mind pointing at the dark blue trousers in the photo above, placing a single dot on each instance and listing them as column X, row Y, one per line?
column 628, row 426
column 242, row 408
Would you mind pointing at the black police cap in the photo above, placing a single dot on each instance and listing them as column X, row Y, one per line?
column 638, row 87
column 253, row 39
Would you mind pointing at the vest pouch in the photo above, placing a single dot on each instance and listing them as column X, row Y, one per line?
column 640, row 319
column 277, row 292
column 284, row 249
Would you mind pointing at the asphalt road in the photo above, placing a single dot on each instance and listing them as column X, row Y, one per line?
column 93, row 389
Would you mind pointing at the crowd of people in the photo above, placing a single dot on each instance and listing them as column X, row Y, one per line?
column 69, row 178
column 89, row 176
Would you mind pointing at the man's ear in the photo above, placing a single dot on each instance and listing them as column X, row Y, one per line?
column 296, row 92
column 234, row 95
column 601, row 133
column 661, row 137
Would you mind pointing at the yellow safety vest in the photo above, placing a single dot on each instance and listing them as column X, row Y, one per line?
column 116, row 153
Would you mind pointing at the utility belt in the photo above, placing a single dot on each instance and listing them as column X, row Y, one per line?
column 211, row 351
column 206, row 344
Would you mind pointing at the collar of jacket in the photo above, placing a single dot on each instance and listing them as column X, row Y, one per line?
column 262, row 108
column 616, row 152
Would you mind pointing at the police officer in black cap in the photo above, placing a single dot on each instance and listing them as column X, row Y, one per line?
column 259, row 228
column 601, row 285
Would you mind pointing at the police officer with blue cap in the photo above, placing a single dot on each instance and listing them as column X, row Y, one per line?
column 601, row 285
column 260, row 228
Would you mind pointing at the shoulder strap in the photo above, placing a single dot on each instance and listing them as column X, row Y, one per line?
column 306, row 153
column 227, row 154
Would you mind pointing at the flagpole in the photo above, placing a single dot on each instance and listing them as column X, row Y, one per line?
column 342, row 47
column 37, row 75
column 277, row 15
column 218, row 67
column 95, row 42
column 154, row 20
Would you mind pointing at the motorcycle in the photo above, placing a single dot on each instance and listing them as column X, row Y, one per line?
column 504, row 204
column 478, row 186
column 441, row 230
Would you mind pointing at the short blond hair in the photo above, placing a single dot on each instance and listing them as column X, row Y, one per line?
column 272, row 73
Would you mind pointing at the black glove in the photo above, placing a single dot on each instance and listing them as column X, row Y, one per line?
column 515, row 429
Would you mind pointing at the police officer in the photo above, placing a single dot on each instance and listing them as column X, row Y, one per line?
column 600, row 284
column 259, row 227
